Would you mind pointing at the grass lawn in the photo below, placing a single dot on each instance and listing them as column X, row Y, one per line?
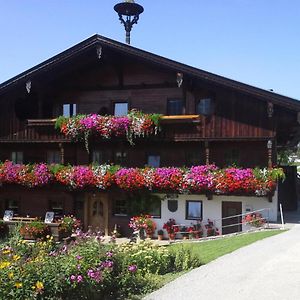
column 210, row 250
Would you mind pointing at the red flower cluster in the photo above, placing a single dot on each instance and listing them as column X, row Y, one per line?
column 254, row 219
column 170, row 226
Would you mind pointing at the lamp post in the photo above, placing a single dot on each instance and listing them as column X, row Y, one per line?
column 129, row 13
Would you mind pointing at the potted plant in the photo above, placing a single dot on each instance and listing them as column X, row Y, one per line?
column 35, row 230
column 184, row 232
column 195, row 230
column 171, row 228
column 143, row 224
column 150, row 227
column 211, row 229
column 160, row 234
column 254, row 219
column 67, row 225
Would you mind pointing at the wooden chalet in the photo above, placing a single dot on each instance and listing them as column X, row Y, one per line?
column 207, row 119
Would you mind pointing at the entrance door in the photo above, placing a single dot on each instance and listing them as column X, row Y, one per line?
column 231, row 209
column 97, row 208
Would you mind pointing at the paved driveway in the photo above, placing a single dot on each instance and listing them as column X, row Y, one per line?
column 267, row 269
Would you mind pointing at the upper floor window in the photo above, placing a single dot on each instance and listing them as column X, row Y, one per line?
column 17, row 157
column 153, row 161
column 175, row 107
column 97, row 157
column 53, row 157
column 69, row 110
column 120, row 108
column 204, row 107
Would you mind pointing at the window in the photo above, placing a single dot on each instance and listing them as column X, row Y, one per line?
column 56, row 205
column 153, row 161
column 193, row 158
column 232, row 157
column 204, row 107
column 97, row 208
column 97, row 157
column 193, row 210
column 17, row 157
column 120, row 208
column 53, row 157
column 12, row 204
column 120, row 109
column 120, row 157
column 175, row 107
column 155, row 209
column 69, row 110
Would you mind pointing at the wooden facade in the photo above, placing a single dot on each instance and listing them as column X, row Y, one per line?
column 99, row 72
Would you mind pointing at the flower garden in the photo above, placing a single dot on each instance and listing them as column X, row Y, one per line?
column 86, row 268
column 197, row 179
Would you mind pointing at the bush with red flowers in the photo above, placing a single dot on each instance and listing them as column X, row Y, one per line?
column 254, row 219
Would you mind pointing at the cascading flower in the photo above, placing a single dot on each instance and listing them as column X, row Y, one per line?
column 135, row 124
column 197, row 179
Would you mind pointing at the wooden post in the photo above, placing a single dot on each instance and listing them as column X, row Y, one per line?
column 62, row 153
column 269, row 147
column 207, row 152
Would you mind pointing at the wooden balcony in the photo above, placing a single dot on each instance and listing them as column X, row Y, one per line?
column 174, row 128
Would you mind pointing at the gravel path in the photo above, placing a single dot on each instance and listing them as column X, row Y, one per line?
column 267, row 269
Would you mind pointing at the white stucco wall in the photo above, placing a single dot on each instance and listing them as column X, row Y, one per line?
column 212, row 209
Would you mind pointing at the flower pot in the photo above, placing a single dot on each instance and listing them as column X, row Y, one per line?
column 160, row 237
column 149, row 235
column 171, row 236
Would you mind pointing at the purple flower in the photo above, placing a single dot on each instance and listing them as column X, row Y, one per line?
column 79, row 278
column 132, row 268
column 78, row 257
column 78, row 267
column 72, row 278
column 109, row 254
column 107, row 264
column 95, row 275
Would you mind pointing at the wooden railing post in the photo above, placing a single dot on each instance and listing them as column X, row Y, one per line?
column 62, row 153
column 207, row 152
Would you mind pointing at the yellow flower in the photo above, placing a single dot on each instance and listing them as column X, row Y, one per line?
column 18, row 285
column 39, row 285
column 16, row 257
column 4, row 264
column 10, row 275
column 6, row 251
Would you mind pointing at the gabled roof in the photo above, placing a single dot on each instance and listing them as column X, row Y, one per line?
column 95, row 40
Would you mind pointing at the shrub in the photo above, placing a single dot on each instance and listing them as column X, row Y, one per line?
column 35, row 230
column 85, row 269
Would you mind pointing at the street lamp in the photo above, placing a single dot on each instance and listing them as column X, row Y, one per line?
column 129, row 13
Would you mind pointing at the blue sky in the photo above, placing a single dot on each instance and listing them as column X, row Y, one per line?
column 253, row 41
